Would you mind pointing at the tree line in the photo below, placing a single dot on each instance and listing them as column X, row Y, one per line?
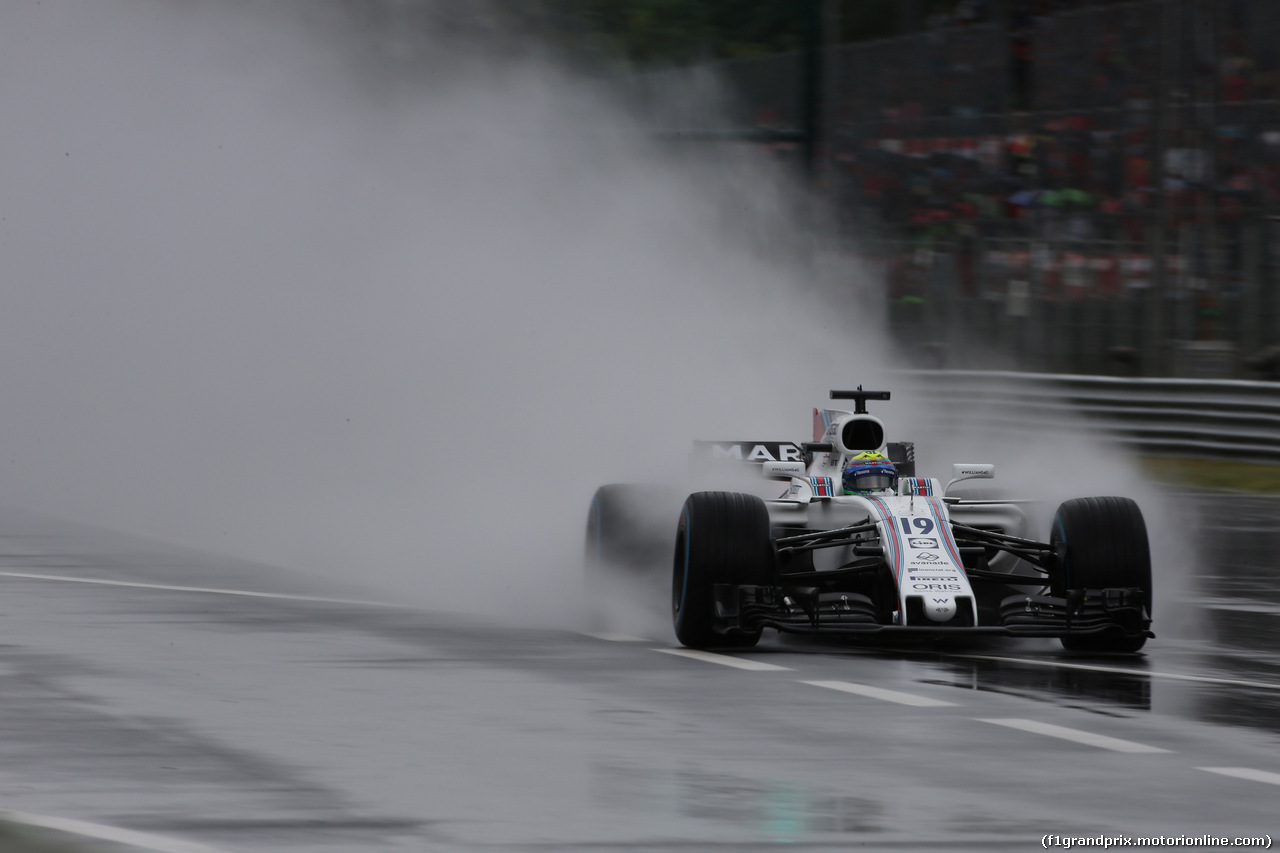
column 646, row 32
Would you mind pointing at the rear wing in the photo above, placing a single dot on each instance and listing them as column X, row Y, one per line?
column 901, row 453
column 756, row 452
column 739, row 465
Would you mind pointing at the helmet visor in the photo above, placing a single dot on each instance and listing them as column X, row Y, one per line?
column 873, row 481
column 870, row 478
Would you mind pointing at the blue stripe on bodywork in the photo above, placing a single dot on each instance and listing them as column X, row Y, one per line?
column 684, row 589
column 944, row 532
column 895, row 546
column 595, row 513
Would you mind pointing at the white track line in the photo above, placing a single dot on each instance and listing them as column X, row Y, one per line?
column 1088, row 738
column 880, row 693
column 1245, row 773
column 1205, row 679
column 137, row 840
column 617, row 638
column 205, row 590
column 723, row 660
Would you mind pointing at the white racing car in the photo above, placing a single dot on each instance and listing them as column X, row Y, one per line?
column 856, row 543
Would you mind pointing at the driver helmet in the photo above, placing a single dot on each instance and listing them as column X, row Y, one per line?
column 869, row 471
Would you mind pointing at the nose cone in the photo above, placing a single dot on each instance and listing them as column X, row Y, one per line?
column 939, row 608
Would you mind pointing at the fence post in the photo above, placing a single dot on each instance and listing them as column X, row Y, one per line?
column 1153, row 345
column 1246, row 307
column 811, row 97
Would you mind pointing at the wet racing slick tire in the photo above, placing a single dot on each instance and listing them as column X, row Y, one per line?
column 722, row 537
column 629, row 528
column 1106, row 546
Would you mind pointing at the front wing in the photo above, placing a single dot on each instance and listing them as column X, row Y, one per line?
column 1012, row 604
column 803, row 610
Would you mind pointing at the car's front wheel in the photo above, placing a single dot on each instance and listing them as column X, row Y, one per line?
column 1105, row 546
column 722, row 537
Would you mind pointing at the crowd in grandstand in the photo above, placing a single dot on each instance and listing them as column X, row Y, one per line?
column 946, row 153
column 1074, row 135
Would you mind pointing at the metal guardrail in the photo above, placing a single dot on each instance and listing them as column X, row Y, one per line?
column 1223, row 419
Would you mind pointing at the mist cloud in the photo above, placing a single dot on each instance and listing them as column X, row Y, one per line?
column 262, row 299
column 267, row 292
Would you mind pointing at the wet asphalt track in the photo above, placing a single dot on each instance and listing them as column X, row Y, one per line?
column 246, row 723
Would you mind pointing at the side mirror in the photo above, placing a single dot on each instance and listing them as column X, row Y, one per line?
column 969, row 471
column 783, row 470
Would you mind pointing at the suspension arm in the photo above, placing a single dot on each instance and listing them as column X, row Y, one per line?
column 1038, row 554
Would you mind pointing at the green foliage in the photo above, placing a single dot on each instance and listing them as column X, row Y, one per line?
column 861, row 20
column 1216, row 475
column 687, row 31
column 22, row 839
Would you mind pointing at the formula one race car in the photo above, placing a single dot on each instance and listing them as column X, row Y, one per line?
column 888, row 554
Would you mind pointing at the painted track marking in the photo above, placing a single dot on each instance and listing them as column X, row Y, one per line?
column 1245, row 773
column 617, row 638
column 206, row 590
column 881, row 693
column 1076, row 735
column 868, row 691
column 724, row 660
column 1205, row 679
column 129, row 837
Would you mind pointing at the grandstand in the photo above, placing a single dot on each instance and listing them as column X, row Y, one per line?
column 1093, row 189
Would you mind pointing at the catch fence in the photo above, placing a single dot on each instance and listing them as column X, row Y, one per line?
column 1094, row 190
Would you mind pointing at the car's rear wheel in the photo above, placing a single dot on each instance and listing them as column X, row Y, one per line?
column 629, row 528
column 722, row 537
column 1106, row 546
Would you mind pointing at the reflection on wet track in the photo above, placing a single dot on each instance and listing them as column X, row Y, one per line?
column 1086, row 689
column 151, row 696
column 1240, row 586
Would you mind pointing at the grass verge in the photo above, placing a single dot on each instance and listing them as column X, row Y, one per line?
column 16, row 838
column 1214, row 474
